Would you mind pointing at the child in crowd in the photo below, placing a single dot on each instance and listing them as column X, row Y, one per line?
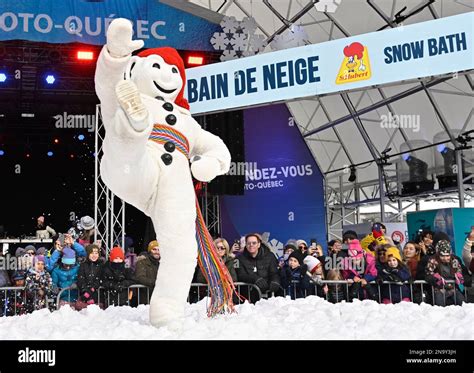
column 39, row 286
column 394, row 271
column 15, row 300
column 65, row 275
column 293, row 278
column 444, row 273
column 116, row 278
column 359, row 270
column 89, row 277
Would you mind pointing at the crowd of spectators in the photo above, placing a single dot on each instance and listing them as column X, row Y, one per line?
column 371, row 268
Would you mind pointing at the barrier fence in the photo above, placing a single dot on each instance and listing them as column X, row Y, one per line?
column 17, row 301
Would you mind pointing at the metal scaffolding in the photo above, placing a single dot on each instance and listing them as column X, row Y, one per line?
column 109, row 210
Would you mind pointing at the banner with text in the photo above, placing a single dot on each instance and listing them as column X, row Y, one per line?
column 430, row 48
column 284, row 195
column 86, row 21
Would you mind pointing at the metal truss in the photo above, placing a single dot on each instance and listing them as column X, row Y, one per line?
column 210, row 207
column 109, row 210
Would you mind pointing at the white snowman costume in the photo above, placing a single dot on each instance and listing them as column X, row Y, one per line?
column 136, row 94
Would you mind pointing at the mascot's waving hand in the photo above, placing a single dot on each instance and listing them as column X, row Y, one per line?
column 150, row 141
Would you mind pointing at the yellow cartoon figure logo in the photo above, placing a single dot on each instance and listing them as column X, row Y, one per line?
column 356, row 64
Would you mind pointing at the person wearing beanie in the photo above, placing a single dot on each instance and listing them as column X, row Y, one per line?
column 444, row 273
column 30, row 249
column 65, row 275
column 293, row 278
column 359, row 268
column 146, row 270
column 89, row 278
column 116, row 278
column 317, row 273
column 394, row 270
column 302, row 246
column 38, row 285
column 290, row 247
column 19, row 252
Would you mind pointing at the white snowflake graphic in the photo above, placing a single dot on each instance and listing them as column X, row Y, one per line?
column 294, row 37
column 238, row 39
column 274, row 245
column 329, row 6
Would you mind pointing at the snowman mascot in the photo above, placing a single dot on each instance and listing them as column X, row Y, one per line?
column 151, row 150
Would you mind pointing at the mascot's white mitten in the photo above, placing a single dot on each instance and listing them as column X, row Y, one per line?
column 119, row 39
column 205, row 168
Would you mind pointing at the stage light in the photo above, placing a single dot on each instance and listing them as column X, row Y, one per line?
column 50, row 79
column 27, row 155
column 85, row 55
column 2, row 152
column 81, row 137
column 50, row 154
column 71, row 156
column 418, row 169
column 195, row 60
column 56, row 141
column 352, row 176
column 3, row 77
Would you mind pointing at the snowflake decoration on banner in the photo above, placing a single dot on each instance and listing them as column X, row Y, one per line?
column 238, row 38
column 328, row 6
column 294, row 37
column 275, row 246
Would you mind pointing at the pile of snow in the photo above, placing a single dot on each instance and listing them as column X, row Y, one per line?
column 276, row 318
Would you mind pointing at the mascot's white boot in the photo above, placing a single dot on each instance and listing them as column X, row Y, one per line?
column 150, row 135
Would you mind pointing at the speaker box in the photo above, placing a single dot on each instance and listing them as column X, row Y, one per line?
column 229, row 126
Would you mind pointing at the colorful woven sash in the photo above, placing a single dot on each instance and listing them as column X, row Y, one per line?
column 221, row 286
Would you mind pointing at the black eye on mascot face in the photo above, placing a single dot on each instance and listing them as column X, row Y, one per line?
column 154, row 77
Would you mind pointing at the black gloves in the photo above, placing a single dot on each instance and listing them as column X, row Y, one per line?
column 262, row 284
column 274, row 287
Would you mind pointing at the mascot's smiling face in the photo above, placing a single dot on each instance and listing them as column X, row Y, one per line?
column 159, row 73
column 156, row 78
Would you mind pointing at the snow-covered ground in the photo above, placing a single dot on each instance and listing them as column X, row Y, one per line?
column 277, row 318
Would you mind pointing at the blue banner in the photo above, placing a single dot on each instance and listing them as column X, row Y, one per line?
column 284, row 194
column 86, row 21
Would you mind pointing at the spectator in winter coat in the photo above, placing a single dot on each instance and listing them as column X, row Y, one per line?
column 467, row 251
column 79, row 250
column 394, row 271
column 14, row 301
column 146, row 270
column 223, row 250
column 444, row 273
column 117, row 279
column 89, row 278
column 43, row 230
column 294, row 279
column 317, row 274
column 65, row 276
column 257, row 265
column 359, row 270
column 38, row 286
column 287, row 250
column 411, row 256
